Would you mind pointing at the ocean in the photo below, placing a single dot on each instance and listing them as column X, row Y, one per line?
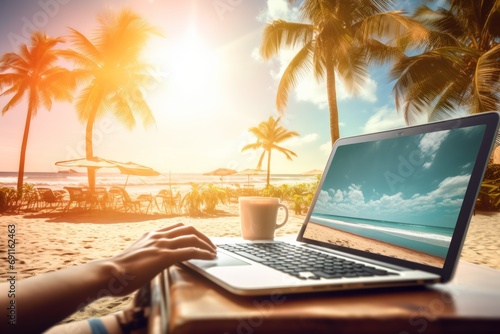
column 427, row 239
column 148, row 184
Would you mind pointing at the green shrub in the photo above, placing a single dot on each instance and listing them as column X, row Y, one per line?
column 8, row 199
column 212, row 195
column 203, row 195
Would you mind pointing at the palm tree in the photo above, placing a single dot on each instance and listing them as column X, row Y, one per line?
column 33, row 73
column 269, row 134
column 454, row 65
column 336, row 40
column 113, row 72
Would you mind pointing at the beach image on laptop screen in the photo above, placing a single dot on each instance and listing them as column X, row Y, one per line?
column 399, row 197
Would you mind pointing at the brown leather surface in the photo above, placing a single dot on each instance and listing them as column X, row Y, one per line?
column 470, row 303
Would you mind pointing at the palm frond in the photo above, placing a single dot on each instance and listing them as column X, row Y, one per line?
column 279, row 33
column 18, row 91
column 297, row 69
column 135, row 98
column 353, row 69
column 394, row 24
column 119, row 106
column 486, row 80
column 88, row 101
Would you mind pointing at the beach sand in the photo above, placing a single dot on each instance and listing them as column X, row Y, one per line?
column 51, row 241
column 346, row 239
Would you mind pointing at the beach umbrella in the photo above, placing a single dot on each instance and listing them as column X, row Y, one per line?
column 221, row 172
column 93, row 162
column 127, row 168
column 251, row 171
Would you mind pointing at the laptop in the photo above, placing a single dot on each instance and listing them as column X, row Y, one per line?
column 392, row 209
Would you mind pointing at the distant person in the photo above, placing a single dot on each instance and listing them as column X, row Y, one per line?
column 43, row 301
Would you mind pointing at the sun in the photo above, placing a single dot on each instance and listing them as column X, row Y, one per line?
column 191, row 70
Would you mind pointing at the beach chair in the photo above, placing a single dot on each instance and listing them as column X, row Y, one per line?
column 76, row 195
column 49, row 199
column 166, row 202
column 123, row 200
column 98, row 199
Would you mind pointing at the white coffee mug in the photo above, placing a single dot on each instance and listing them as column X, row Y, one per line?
column 258, row 216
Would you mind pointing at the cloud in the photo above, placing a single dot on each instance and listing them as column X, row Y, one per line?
column 430, row 144
column 352, row 201
column 450, row 187
column 384, row 118
column 323, row 198
column 279, row 9
column 326, row 147
column 299, row 141
column 368, row 91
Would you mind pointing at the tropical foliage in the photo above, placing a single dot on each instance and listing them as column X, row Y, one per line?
column 203, row 195
column 113, row 73
column 298, row 195
column 213, row 195
column 489, row 194
column 339, row 38
column 8, row 199
column 269, row 134
column 453, row 63
column 32, row 73
column 12, row 200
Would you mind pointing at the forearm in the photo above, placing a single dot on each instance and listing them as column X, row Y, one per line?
column 44, row 300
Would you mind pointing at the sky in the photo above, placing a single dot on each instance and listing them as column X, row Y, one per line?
column 423, row 186
column 210, row 86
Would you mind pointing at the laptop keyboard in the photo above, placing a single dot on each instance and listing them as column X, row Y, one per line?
column 301, row 262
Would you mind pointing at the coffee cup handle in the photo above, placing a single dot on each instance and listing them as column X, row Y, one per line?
column 286, row 215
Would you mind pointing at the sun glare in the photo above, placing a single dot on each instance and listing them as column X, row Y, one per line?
column 190, row 69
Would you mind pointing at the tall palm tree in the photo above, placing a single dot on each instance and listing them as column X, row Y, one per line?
column 33, row 72
column 335, row 40
column 454, row 65
column 269, row 134
column 111, row 67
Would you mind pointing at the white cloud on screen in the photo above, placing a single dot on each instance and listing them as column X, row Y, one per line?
column 430, row 144
column 351, row 201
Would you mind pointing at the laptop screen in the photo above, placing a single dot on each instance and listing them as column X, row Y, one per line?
column 399, row 197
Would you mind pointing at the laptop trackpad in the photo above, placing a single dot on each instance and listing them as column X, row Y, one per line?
column 222, row 260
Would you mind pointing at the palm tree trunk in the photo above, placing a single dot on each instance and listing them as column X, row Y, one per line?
column 24, row 145
column 268, row 167
column 332, row 102
column 89, row 151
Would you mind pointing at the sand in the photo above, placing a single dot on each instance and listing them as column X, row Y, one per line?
column 50, row 241
column 346, row 239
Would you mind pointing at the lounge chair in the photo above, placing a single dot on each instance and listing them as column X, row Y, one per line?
column 168, row 203
column 47, row 198
column 123, row 200
column 77, row 195
column 98, row 199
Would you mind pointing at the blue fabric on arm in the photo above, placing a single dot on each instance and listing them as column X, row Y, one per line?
column 97, row 326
